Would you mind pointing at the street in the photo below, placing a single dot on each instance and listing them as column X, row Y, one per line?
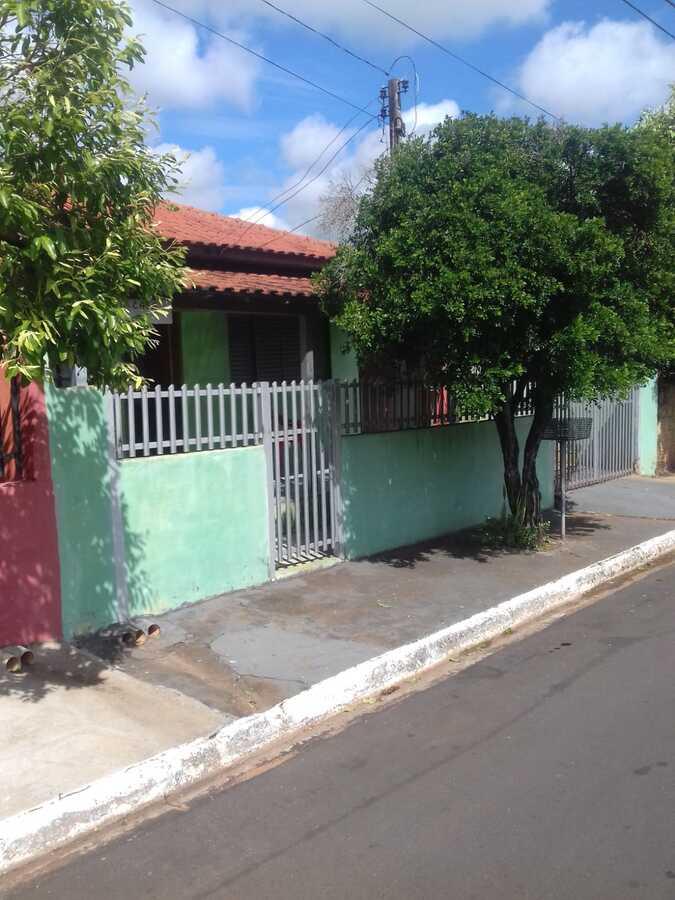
column 545, row 770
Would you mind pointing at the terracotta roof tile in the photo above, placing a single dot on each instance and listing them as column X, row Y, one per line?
column 250, row 283
column 188, row 225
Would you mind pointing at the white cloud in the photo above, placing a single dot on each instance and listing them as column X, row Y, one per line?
column 183, row 69
column 202, row 179
column 429, row 115
column 366, row 26
column 261, row 216
column 303, row 143
column 604, row 73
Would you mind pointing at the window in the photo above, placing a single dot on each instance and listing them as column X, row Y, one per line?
column 11, row 461
column 264, row 348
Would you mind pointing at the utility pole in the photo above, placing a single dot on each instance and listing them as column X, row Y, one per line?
column 391, row 109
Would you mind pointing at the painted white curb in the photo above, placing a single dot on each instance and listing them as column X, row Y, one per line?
column 29, row 834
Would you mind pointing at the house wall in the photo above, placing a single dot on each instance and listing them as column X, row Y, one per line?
column 205, row 347
column 648, row 429
column 403, row 487
column 344, row 366
column 147, row 535
column 30, row 588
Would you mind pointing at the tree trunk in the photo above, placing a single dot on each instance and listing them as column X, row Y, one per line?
column 506, row 428
column 522, row 487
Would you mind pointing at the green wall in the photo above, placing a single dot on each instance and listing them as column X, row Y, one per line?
column 195, row 525
column 648, row 434
column 78, row 441
column 205, row 347
column 409, row 486
column 192, row 525
column 344, row 366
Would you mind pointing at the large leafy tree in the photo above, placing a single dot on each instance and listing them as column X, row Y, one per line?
column 501, row 253
column 83, row 275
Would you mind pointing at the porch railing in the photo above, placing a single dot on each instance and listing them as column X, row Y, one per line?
column 158, row 421
column 378, row 406
column 11, row 449
column 185, row 419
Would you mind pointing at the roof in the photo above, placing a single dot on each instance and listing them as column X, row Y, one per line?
column 198, row 228
column 250, row 283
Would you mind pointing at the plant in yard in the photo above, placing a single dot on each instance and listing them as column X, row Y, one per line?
column 500, row 253
column 83, row 275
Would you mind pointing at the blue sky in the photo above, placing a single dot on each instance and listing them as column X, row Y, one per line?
column 251, row 130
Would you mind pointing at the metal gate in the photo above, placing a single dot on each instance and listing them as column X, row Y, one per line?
column 612, row 449
column 299, row 430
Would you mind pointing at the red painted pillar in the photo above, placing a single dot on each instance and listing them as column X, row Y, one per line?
column 30, row 580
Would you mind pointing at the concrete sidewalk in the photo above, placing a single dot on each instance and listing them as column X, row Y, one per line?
column 77, row 716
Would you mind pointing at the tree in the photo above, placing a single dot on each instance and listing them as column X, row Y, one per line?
column 500, row 253
column 340, row 205
column 83, row 274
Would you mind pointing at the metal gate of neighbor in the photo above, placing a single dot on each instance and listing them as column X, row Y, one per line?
column 612, row 449
column 303, row 491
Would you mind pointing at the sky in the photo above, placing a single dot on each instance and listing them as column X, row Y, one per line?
column 245, row 131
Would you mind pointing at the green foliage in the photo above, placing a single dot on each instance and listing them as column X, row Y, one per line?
column 82, row 273
column 504, row 250
column 500, row 253
column 513, row 531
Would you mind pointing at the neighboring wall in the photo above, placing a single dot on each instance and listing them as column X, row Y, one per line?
column 666, row 449
column 147, row 535
column 403, row 487
column 30, row 595
column 648, row 429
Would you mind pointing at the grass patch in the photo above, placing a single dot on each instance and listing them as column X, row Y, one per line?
column 510, row 533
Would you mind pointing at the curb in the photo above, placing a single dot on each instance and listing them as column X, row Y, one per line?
column 27, row 835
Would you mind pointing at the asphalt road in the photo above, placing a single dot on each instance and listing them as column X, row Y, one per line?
column 546, row 770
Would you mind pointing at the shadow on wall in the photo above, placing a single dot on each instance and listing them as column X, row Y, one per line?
column 100, row 566
column 30, row 608
column 403, row 488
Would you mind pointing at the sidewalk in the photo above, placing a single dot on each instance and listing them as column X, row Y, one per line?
column 76, row 716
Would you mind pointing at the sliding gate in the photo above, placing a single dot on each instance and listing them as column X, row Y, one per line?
column 612, row 449
column 303, row 490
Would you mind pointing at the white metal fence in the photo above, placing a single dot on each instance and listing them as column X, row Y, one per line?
column 294, row 421
column 185, row 419
column 303, row 447
column 612, row 449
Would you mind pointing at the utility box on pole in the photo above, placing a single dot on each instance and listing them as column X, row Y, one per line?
column 396, row 125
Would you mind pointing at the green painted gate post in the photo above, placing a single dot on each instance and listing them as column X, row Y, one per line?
column 121, row 588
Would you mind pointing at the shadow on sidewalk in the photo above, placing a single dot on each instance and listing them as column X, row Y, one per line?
column 470, row 544
column 55, row 666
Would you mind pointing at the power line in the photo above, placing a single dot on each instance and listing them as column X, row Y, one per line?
column 315, row 178
column 461, row 59
column 671, row 3
column 266, row 59
column 416, row 83
column 312, row 218
column 264, row 211
column 649, row 18
column 326, row 37
column 290, row 231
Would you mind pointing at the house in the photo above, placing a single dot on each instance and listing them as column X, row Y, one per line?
column 249, row 312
